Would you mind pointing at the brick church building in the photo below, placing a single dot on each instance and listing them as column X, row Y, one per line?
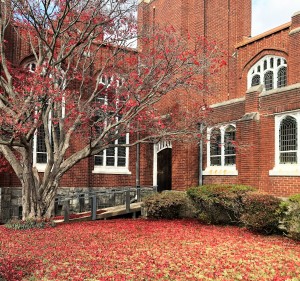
column 255, row 102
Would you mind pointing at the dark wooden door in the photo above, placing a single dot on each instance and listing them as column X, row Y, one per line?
column 164, row 170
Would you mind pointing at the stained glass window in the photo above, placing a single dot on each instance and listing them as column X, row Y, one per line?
column 255, row 80
column 281, row 77
column 288, row 142
column 268, row 78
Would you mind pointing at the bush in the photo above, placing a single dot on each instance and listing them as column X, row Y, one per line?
column 261, row 212
column 290, row 211
column 168, row 205
column 29, row 223
column 219, row 204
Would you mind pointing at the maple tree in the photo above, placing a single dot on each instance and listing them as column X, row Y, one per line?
column 82, row 80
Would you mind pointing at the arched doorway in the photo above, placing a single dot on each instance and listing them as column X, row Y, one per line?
column 162, row 166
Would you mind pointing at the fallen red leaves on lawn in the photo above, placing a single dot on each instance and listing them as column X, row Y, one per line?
column 79, row 215
column 146, row 250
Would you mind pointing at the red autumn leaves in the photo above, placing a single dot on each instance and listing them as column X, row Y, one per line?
column 146, row 250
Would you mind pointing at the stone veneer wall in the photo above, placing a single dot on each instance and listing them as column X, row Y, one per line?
column 11, row 200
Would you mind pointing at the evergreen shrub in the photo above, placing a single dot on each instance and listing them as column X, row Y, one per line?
column 291, row 216
column 219, row 204
column 168, row 205
column 261, row 212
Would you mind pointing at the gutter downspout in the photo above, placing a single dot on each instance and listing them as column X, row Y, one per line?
column 200, row 180
column 137, row 170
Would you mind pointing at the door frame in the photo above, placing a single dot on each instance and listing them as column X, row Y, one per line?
column 157, row 147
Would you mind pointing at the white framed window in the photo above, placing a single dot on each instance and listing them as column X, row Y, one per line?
column 287, row 151
column 40, row 155
column 221, row 152
column 31, row 66
column 113, row 160
column 270, row 71
column 108, row 80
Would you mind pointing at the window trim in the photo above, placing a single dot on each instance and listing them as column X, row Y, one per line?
column 103, row 169
column 41, row 167
column 222, row 170
column 285, row 169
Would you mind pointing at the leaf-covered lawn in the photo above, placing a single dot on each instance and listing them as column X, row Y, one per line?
column 146, row 250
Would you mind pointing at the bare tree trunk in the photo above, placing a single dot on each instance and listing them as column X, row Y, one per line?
column 26, row 198
column 28, row 185
column 37, row 199
column 36, row 205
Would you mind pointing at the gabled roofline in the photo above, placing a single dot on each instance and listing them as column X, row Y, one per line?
column 248, row 40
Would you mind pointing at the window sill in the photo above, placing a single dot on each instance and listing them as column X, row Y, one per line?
column 111, row 171
column 41, row 168
column 286, row 170
column 220, row 171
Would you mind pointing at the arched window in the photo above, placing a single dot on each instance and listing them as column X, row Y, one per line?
column 271, row 71
column 281, row 77
column 221, row 146
column 255, row 80
column 229, row 146
column 268, row 79
column 288, row 142
column 215, row 148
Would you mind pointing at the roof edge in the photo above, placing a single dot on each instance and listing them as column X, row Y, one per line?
column 248, row 40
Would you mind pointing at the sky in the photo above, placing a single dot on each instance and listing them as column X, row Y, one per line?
column 267, row 14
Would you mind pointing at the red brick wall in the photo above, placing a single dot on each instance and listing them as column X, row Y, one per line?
column 185, row 165
column 294, row 50
column 225, row 22
column 248, row 152
column 220, row 180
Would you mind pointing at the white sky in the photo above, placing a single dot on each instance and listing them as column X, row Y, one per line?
column 267, row 14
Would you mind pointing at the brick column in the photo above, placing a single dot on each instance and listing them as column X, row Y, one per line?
column 252, row 99
column 248, row 134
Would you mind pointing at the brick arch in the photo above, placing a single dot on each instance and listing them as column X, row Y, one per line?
column 27, row 59
column 31, row 58
column 260, row 55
